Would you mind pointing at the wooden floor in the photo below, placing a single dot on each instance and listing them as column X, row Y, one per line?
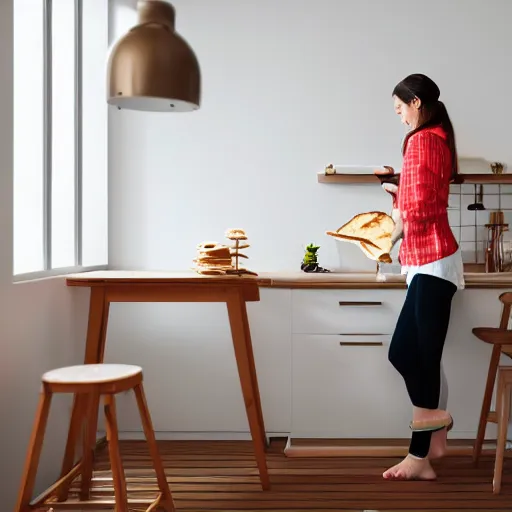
column 221, row 476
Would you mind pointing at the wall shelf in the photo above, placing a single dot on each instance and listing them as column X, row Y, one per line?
column 495, row 179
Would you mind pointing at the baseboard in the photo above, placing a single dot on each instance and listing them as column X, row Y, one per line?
column 320, row 448
column 136, row 435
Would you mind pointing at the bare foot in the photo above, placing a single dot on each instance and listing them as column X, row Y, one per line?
column 411, row 468
column 438, row 444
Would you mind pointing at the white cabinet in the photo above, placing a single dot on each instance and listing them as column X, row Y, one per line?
column 342, row 390
column 343, row 384
column 190, row 373
column 345, row 311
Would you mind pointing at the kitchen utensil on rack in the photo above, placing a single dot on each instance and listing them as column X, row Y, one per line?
column 494, row 251
column 497, row 168
column 478, row 204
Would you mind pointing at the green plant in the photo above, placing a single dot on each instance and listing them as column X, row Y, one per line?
column 311, row 255
column 310, row 259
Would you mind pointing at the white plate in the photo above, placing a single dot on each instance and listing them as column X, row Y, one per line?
column 356, row 169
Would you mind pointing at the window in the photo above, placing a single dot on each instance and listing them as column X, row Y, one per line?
column 60, row 136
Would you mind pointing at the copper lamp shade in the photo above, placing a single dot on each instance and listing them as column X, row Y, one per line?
column 152, row 68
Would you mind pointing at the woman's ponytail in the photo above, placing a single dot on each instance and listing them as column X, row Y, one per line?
column 441, row 117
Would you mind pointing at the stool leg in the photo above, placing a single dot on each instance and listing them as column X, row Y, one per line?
column 503, row 413
column 149, row 432
column 115, row 455
column 89, row 445
column 486, row 403
column 75, row 426
column 34, row 452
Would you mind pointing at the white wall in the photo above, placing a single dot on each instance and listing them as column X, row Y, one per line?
column 289, row 87
column 42, row 323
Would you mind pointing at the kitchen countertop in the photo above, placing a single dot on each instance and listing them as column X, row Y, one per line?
column 286, row 279
column 361, row 280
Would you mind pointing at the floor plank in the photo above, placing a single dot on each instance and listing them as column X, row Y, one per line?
column 222, row 476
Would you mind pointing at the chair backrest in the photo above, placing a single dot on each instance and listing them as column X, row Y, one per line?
column 506, row 299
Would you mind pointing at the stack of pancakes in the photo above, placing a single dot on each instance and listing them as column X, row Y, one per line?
column 217, row 259
column 213, row 258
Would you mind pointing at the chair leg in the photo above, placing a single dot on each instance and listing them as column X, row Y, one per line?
column 34, row 452
column 503, row 413
column 486, row 402
column 75, row 427
column 115, row 455
column 89, row 439
column 167, row 501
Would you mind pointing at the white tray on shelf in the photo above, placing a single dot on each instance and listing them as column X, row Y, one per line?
column 356, row 169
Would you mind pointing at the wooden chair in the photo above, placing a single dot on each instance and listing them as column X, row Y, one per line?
column 89, row 383
column 501, row 339
column 504, row 394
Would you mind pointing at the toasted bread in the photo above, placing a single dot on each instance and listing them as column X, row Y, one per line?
column 371, row 232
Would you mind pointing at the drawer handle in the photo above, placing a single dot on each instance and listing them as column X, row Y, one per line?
column 362, row 334
column 361, row 344
column 356, row 303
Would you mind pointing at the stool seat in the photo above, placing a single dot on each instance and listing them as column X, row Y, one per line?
column 493, row 335
column 91, row 374
column 90, row 383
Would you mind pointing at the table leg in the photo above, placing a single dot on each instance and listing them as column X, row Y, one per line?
column 75, row 430
column 89, row 444
column 247, row 372
column 116, row 462
column 252, row 368
column 94, row 353
column 97, row 327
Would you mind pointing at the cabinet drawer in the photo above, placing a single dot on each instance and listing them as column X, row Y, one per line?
column 346, row 391
column 346, row 311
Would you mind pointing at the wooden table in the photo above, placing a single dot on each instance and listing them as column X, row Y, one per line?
column 126, row 286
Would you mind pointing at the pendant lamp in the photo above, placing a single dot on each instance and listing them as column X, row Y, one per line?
column 152, row 68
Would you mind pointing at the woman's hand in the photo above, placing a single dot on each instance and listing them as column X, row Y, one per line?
column 385, row 170
column 390, row 182
column 386, row 174
column 392, row 190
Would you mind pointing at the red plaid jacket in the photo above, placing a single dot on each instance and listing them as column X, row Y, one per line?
column 423, row 199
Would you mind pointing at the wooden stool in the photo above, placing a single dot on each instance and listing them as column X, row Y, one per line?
column 88, row 383
column 501, row 339
column 504, row 394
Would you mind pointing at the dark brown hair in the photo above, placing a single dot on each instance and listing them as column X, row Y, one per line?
column 432, row 111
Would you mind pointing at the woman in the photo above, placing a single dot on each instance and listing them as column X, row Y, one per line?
column 430, row 256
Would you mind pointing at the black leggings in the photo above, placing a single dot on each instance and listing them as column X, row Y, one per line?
column 417, row 345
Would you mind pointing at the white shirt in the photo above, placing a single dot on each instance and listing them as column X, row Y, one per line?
column 450, row 268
